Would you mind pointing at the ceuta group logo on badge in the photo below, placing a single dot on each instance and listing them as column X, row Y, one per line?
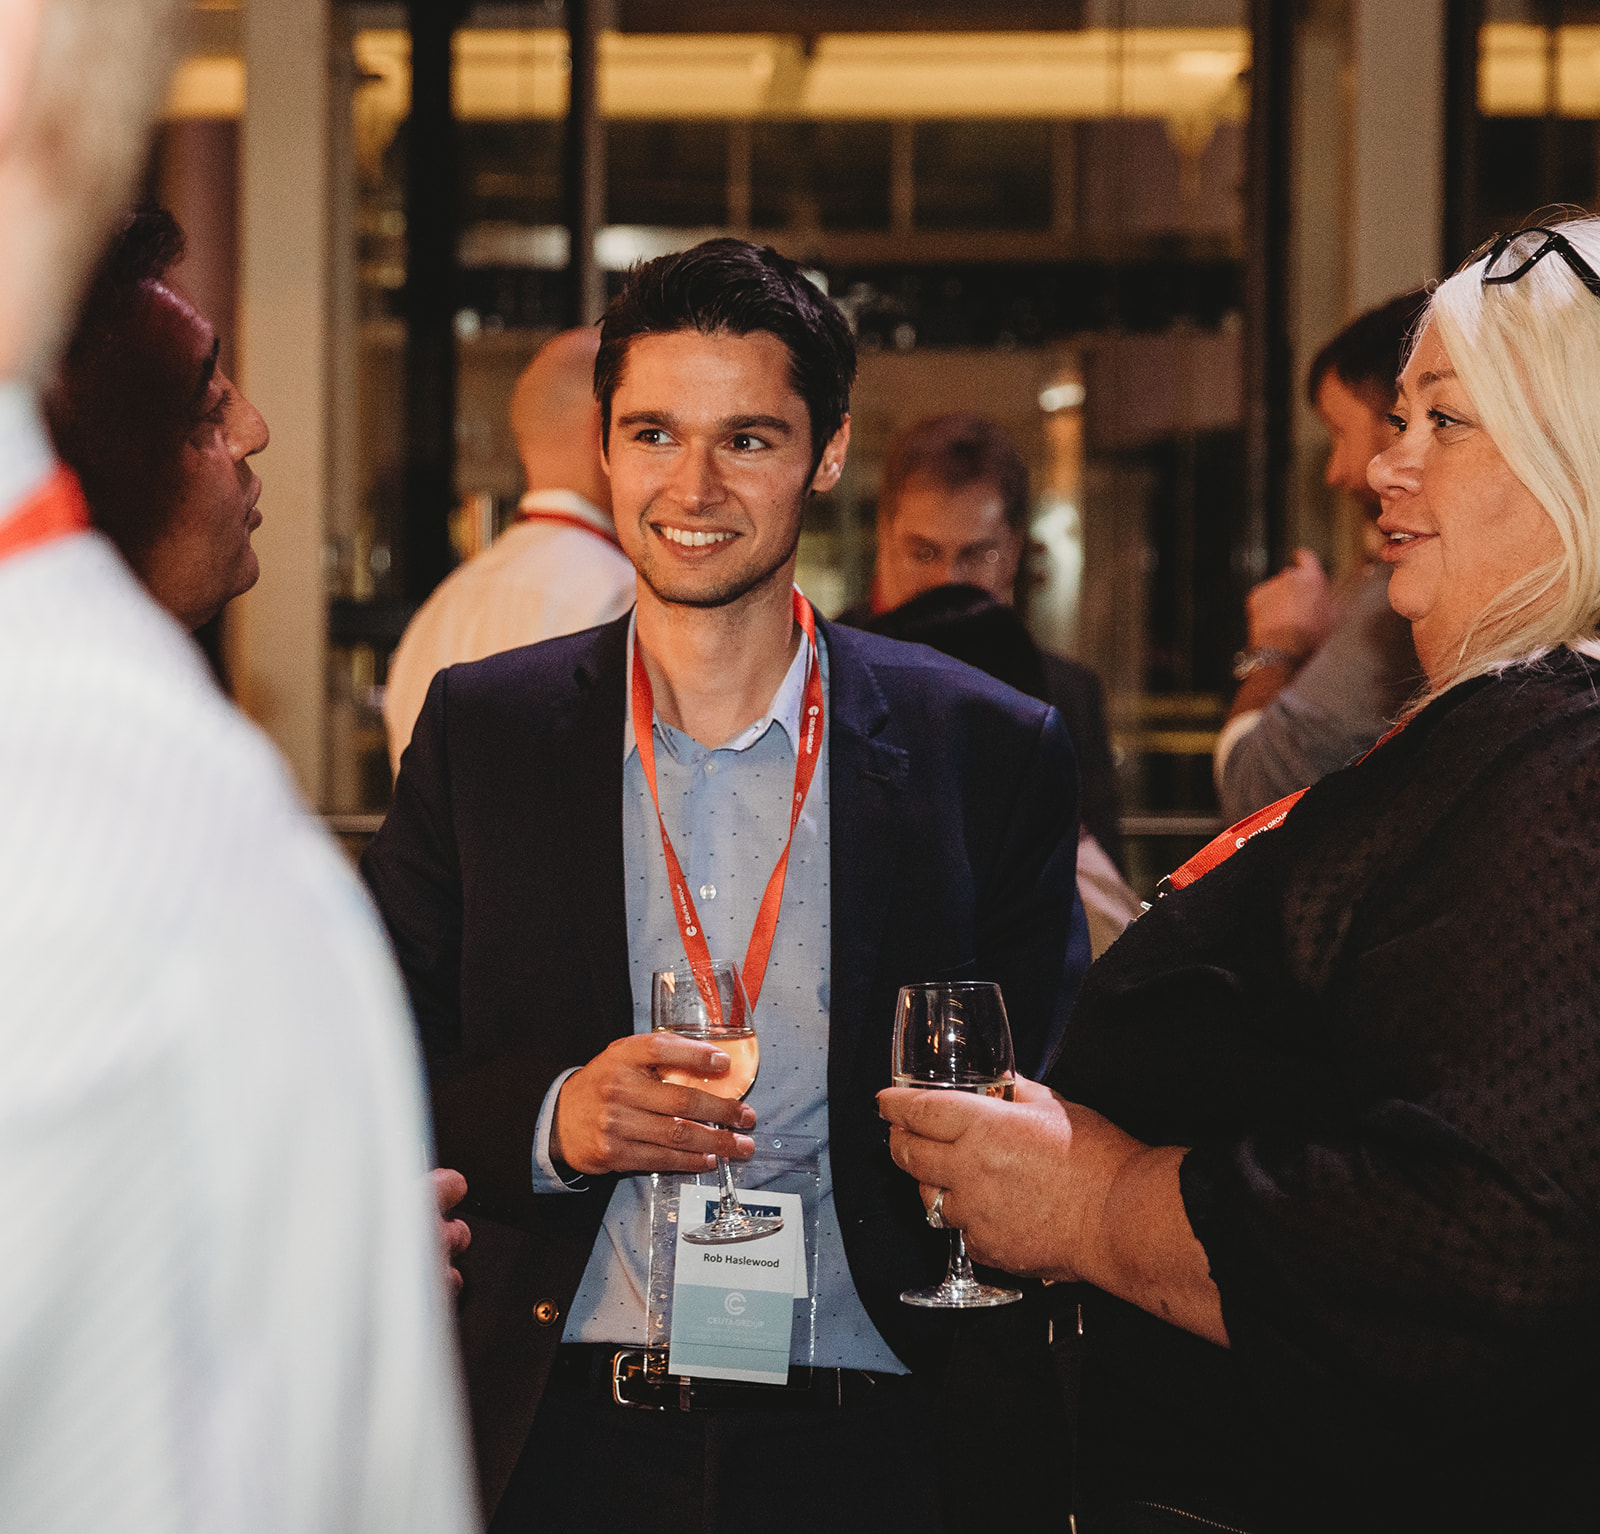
column 733, row 1303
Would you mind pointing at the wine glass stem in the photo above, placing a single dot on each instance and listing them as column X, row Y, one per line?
column 960, row 1271
column 728, row 1202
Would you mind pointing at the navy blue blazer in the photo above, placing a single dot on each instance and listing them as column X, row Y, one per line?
column 499, row 873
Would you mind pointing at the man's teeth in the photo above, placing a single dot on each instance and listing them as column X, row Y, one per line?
column 1401, row 537
column 693, row 540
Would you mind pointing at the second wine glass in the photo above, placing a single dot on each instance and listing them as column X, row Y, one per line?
column 952, row 1036
column 708, row 1002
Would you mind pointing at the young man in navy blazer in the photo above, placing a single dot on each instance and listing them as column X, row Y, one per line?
column 528, row 884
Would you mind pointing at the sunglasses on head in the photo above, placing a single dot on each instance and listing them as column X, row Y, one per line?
column 1510, row 256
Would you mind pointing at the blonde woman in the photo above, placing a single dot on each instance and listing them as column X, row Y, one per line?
column 1326, row 1158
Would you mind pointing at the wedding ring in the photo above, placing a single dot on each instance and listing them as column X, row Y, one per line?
column 936, row 1211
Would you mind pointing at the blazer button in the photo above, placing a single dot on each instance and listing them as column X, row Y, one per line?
column 546, row 1312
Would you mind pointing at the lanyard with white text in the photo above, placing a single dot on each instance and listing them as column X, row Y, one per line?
column 1219, row 849
column 807, row 750
column 56, row 509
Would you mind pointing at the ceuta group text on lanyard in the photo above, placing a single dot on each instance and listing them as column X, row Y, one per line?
column 1221, row 848
column 808, row 749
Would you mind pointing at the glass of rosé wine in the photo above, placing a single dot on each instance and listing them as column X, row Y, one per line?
column 708, row 1002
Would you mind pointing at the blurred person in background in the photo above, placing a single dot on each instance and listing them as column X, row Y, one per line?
column 224, row 1308
column 556, row 570
column 160, row 440
column 1330, row 1171
column 953, row 510
column 159, row 437
column 1326, row 670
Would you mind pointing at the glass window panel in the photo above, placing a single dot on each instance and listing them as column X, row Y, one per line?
column 819, row 175
column 982, row 175
column 673, row 174
column 511, row 171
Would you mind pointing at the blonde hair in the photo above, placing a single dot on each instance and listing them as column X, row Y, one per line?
column 98, row 74
column 1528, row 356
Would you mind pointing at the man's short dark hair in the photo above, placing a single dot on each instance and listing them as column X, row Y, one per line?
column 1366, row 355
column 957, row 450
column 733, row 287
column 120, row 415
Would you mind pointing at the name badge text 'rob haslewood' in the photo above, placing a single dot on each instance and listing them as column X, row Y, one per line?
column 733, row 1305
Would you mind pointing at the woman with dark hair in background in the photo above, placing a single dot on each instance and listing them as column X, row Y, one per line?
column 157, row 434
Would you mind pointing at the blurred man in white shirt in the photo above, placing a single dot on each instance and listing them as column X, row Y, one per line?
column 224, row 1310
column 556, row 570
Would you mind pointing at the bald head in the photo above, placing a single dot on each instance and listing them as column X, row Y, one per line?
column 556, row 419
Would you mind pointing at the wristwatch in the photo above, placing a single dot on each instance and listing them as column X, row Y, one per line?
column 1248, row 661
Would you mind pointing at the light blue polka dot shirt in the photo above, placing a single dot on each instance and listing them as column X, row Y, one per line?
column 727, row 811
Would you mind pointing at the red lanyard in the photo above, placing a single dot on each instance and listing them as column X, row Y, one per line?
column 567, row 519
column 1223, row 847
column 1220, row 848
column 56, row 509
column 807, row 752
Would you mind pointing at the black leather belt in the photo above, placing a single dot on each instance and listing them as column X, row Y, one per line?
column 638, row 1378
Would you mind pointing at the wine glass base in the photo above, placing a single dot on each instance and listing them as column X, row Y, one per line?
column 734, row 1227
column 958, row 1294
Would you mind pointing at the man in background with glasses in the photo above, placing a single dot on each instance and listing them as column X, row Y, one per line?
column 573, row 816
column 953, row 512
column 221, row 1306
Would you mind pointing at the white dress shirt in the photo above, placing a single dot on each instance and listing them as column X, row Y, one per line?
column 221, row 1305
column 537, row 580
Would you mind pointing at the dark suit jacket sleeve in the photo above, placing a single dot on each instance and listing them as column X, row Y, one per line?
column 414, row 872
column 486, row 1101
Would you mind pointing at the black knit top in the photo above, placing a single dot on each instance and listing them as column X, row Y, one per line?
column 1378, row 1027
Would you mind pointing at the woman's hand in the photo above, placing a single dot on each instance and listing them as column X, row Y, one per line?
column 1050, row 1189
column 1016, row 1175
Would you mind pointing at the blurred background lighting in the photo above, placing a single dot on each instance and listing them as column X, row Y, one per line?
column 1100, row 72
column 1062, row 396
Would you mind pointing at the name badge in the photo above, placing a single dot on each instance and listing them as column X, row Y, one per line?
column 733, row 1304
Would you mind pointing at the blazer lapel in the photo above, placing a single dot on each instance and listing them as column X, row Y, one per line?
column 590, row 876
column 866, row 779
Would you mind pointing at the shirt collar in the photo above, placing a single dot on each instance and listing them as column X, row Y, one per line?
column 26, row 459
column 570, row 504
column 783, row 710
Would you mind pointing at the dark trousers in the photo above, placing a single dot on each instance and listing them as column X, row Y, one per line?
column 871, row 1463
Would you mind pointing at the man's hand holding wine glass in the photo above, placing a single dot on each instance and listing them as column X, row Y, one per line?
column 618, row 1115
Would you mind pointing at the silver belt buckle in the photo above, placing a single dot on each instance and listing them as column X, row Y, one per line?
column 646, row 1370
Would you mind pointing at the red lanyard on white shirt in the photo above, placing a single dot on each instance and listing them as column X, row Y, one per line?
column 56, row 509
column 807, row 750
column 567, row 519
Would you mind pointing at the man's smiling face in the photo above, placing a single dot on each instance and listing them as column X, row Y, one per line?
column 710, row 460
